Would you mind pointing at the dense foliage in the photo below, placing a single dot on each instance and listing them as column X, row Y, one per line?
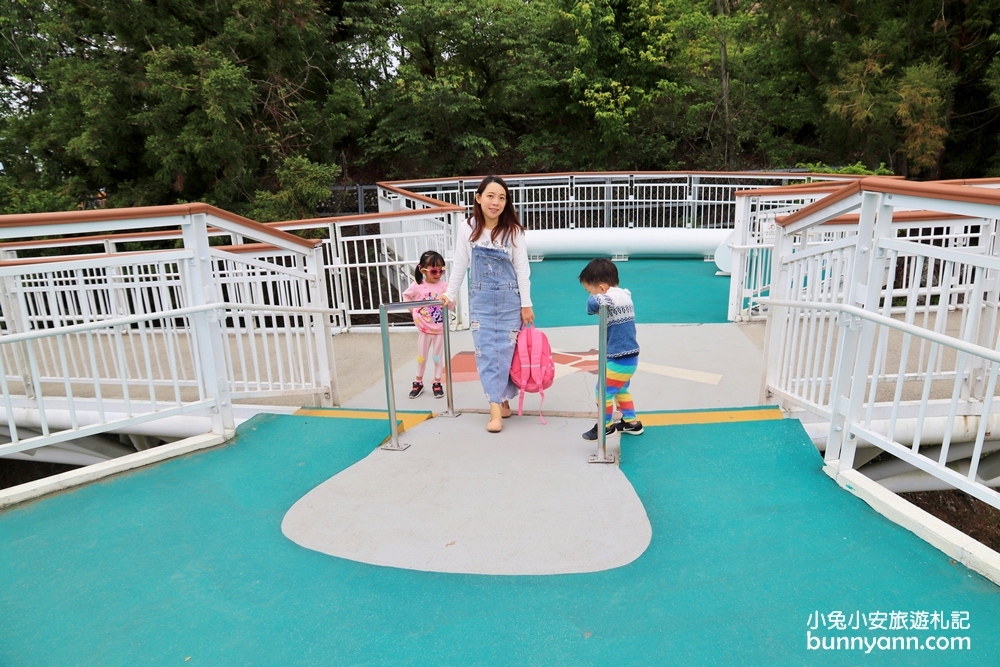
column 256, row 105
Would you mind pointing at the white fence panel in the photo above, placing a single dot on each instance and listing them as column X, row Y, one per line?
column 893, row 336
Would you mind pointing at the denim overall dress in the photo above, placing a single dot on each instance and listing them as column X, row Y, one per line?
column 495, row 317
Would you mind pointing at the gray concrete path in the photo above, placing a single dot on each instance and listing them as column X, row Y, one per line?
column 681, row 367
column 524, row 501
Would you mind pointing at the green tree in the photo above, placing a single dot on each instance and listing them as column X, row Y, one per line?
column 899, row 82
column 451, row 105
column 157, row 102
column 302, row 185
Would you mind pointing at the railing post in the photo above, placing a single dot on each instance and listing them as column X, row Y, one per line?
column 738, row 270
column 694, row 187
column 14, row 314
column 602, row 455
column 208, row 329
column 854, row 351
column 777, row 319
column 390, row 399
column 449, row 393
column 608, row 196
column 321, row 330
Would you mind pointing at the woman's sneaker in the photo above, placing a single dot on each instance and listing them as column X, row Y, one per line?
column 438, row 391
column 632, row 428
column 592, row 433
column 418, row 388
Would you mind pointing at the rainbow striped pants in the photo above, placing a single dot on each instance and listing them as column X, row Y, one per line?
column 619, row 374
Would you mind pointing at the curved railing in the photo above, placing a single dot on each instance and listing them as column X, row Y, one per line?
column 367, row 259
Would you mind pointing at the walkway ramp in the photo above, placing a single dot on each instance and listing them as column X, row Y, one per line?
column 751, row 548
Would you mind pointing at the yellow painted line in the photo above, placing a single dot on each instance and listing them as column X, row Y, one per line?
column 409, row 419
column 713, row 417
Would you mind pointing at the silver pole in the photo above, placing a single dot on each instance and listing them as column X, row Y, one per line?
column 449, row 395
column 393, row 443
column 602, row 388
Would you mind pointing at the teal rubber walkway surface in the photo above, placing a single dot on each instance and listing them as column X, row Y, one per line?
column 184, row 563
column 665, row 291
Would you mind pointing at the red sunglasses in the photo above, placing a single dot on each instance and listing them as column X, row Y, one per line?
column 434, row 272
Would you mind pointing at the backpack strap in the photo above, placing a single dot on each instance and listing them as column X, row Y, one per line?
column 522, row 353
column 536, row 369
column 540, row 403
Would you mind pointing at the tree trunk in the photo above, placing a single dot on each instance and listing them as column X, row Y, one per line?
column 722, row 7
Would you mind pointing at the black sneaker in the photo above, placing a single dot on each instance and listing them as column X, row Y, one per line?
column 632, row 428
column 438, row 391
column 418, row 388
column 592, row 433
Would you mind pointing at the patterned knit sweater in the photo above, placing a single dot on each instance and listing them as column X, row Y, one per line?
column 621, row 321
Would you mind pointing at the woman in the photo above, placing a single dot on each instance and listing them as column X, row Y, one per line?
column 491, row 242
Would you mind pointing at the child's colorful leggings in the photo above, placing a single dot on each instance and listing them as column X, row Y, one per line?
column 619, row 374
column 429, row 343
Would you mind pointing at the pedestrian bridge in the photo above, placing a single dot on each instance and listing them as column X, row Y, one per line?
column 284, row 534
column 748, row 544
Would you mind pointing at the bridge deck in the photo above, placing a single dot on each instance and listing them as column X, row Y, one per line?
column 750, row 540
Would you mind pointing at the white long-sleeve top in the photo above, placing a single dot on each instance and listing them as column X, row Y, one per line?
column 517, row 251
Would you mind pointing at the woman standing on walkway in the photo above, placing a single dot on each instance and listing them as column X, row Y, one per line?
column 492, row 244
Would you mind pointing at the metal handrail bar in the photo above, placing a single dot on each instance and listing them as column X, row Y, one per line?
column 164, row 314
column 103, row 324
column 928, row 334
column 383, row 314
column 602, row 388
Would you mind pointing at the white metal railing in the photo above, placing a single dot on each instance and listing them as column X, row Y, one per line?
column 652, row 199
column 752, row 261
column 808, row 340
column 82, row 379
column 370, row 263
column 278, row 351
column 752, row 241
column 367, row 259
column 892, row 336
column 110, row 341
column 107, row 386
column 901, row 429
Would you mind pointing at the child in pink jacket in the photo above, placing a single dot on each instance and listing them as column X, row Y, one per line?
column 427, row 285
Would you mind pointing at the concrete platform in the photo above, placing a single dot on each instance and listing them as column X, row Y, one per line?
column 524, row 501
column 682, row 366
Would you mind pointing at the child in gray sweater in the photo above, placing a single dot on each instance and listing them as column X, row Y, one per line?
column 600, row 279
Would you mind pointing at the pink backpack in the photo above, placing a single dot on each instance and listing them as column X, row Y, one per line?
column 532, row 368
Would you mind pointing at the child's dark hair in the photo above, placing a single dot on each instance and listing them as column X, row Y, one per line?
column 600, row 271
column 427, row 260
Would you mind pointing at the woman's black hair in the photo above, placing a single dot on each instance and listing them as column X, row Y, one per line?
column 428, row 259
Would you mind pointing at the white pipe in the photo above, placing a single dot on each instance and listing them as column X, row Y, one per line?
column 53, row 454
column 180, row 426
column 918, row 480
column 99, row 447
column 167, row 428
column 892, row 467
column 628, row 241
column 964, row 429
